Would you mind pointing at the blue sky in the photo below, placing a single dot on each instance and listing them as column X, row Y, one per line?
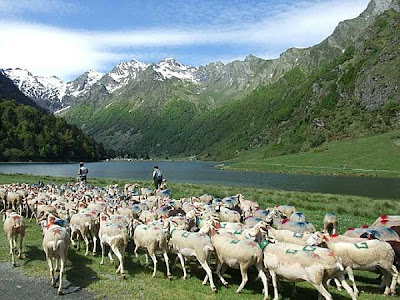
column 67, row 38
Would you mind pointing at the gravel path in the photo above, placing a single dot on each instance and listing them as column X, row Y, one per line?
column 14, row 284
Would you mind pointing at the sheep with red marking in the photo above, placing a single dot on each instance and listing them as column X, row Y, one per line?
column 14, row 226
column 56, row 242
column 369, row 255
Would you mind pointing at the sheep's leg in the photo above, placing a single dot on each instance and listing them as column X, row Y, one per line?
column 337, row 282
column 294, row 290
column 110, row 256
column 175, row 262
column 21, row 245
column 86, row 240
column 53, row 282
column 209, row 276
column 218, row 272
column 121, row 260
column 136, row 255
column 12, row 252
column 351, row 277
column 264, row 279
column 56, row 267
column 147, row 258
column 165, row 254
column 94, row 244
column 322, row 291
column 346, row 286
column 102, row 252
column 395, row 277
column 387, row 281
column 154, row 258
column 274, row 284
column 62, row 260
column 244, row 279
column 180, row 256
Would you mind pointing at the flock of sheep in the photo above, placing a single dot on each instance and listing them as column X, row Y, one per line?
column 278, row 241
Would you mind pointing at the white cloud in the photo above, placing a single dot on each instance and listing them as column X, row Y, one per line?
column 46, row 50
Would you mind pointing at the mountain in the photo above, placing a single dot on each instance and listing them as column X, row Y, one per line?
column 9, row 91
column 344, row 86
column 27, row 132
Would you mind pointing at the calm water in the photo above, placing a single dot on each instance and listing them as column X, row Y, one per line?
column 205, row 172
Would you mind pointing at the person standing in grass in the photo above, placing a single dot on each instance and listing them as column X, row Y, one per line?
column 82, row 173
column 157, row 177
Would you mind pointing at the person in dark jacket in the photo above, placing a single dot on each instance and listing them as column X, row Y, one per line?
column 157, row 177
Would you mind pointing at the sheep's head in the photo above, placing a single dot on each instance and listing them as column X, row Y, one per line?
column 315, row 239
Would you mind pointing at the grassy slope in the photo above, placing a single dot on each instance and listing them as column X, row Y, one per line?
column 87, row 272
column 376, row 155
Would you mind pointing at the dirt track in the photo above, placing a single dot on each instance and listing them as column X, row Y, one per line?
column 14, row 284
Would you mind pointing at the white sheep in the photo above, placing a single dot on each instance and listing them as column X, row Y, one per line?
column 14, row 226
column 369, row 255
column 84, row 225
column 240, row 255
column 153, row 238
column 116, row 236
column 304, row 263
column 194, row 244
column 56, row 241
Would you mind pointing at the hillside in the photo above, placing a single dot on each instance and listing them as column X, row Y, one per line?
column 376, row 155
column 29, row 133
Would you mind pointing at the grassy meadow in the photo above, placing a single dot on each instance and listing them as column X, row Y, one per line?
column 104, row 282
column 376, row 155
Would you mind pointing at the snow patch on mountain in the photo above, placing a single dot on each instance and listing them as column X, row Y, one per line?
column 122, row 73
column 170, row 67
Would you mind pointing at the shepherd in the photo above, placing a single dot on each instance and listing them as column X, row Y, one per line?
column 157, row 177
column 82, row 173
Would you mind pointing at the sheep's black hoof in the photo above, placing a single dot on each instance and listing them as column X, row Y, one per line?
column 123, row 276
column 60, row 293
column 94, row 254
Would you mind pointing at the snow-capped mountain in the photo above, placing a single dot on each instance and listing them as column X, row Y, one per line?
column 122, row 73
column 47, row 92
column 170, row 68
column 54, row 94
column 83, row 83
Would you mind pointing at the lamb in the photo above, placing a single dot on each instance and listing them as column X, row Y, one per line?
column 153, row 238
column 369, row 255
column 55, row 244
column 330, row 223
column 197, row 244
column 116, row 236
column 304, row 263
column 238, row 254
column 14, row 226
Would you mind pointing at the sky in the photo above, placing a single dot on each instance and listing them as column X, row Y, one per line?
column 67, row 38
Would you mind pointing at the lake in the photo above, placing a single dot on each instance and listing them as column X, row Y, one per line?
column 206, row 173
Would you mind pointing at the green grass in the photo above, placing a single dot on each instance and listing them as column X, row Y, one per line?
column 87, row 271
column 377, row 155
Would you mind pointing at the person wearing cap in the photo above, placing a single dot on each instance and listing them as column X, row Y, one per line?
column 82, row 173
column 157, row 177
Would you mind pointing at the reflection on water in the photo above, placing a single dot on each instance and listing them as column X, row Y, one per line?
column 206, row 173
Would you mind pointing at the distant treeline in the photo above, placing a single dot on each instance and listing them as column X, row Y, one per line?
column 27, row 133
